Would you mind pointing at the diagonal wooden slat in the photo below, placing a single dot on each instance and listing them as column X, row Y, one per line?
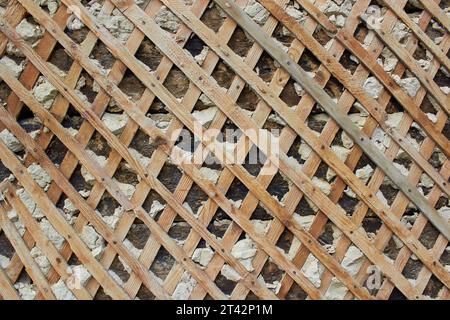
column 302, row 41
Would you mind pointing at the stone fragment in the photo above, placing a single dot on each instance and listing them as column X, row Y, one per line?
column 10, row 141
column 202, row 256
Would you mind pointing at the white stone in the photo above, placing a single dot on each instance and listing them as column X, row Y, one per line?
column 127, row 189
column 205, row 116
column 410, row 85
column 257, row 12
column 347, row 142
column 11, row 141
column 115, row 122
column 210, row 174
column 364, row 173
column 40, row 259
column 394, row 119
column 426, row 181
column 261, row 226
column 4, row 262
column 324, row 186
column 336, row 291
column 202, row 256
column 91, row 238
column 36, row 212
column 39, row 175
column 79, row 276
column 113, row 219
column 295, row 13
column 373, row 87
column 200, row 58
column 13, row 67
column 342, row 153
column 244, row 250
column 312, row 269
column 167, row 20
column 155, row 208
column 62, row 292
column 69, row 207
column 184, row 287
column 445, row 213
column 229, row 273
column 45, row 92
column 29, row 32
column 51, row 233
column 101, row 161
column 26, row 290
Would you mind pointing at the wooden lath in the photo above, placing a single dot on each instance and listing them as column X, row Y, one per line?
column 300, row 176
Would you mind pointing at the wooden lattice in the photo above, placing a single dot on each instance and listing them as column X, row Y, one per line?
column 352, row 193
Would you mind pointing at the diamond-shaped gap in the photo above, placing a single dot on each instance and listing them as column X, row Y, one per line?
column 247, row 100
column 433, row 288
column 271, row 275
column 274, row 123
column 102, row 56
column 68, row 209
column 154, row 204
column 169, row 175
column 132, row 86
column 56, row 151
column 266, row 67
column 279, row 187
column 296, row 293
column 149, row 54
column 163, row 263
column 176, row 82
column 101, row 295
column 254, row 161
column 197, row 49
column 119, row 271
column 142, row 145
column 196, row 197
column 283, row 35
column 349, row 62
column 203, row 254
column 60, row 58
column 365, row 36
column 333, row 88
column 429, row 236
column 304, row 208
column 393, row 246
column 219, row 223
column 441, row 78
column 317, row 120
column 135, row 241
column 237, row 191
column 437, row 159
column 397, row 295
column 109, row 209
column 240, row 43
column 144, row 293
column 291, row 93
column 223, row 75
column 288, row 243
column 76, row 30
column 213, row 17
column 126, row 178
column 412, row 269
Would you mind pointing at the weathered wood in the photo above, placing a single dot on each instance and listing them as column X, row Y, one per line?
column 325, row 101
column 246, row 75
